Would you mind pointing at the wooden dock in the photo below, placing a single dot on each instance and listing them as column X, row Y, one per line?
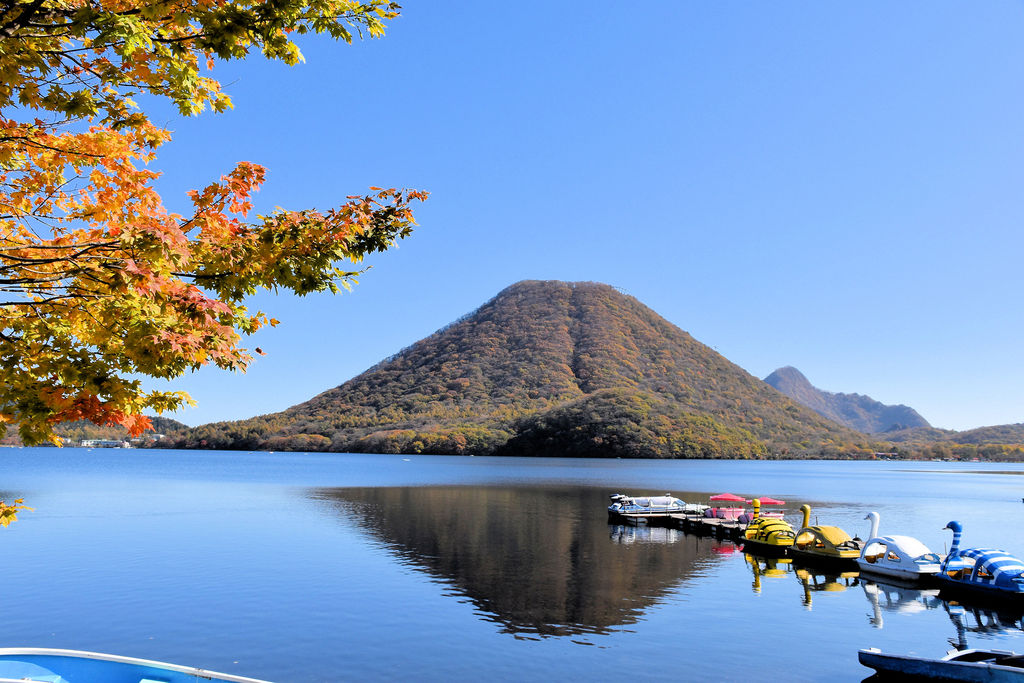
column 728, row 529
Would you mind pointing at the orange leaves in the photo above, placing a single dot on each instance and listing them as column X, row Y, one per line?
column 99, row 283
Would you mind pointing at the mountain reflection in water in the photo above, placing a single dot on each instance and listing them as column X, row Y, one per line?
column 538, row 561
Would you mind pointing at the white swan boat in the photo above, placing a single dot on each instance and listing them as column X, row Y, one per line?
column 902, row 557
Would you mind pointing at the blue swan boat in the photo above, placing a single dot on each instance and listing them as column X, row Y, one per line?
column 982, row 571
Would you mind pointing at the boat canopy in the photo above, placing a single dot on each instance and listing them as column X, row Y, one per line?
column 910, row 546
column 658, row 501
column 768, row 501
column 833, row 534
column 730, row 497
column 999, row 564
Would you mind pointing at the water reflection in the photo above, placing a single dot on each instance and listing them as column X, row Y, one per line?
column 767, row 567
column 538, row 561
column 897, row 598
column 812, row 579
column 815, row 580
column 629, row 533
column 982, row 620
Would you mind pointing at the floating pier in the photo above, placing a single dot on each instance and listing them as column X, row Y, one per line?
column 698, row 525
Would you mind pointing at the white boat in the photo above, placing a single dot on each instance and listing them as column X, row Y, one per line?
column 902, row 557
column 639, row 508
column 78, row 666
column 990, row 666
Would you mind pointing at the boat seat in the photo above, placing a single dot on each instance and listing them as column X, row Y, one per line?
column 1014, row 661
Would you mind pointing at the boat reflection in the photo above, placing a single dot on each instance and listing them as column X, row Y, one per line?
column 767, row 567
column 817, row 580
column 537, row 561
column 983, row 621
column 629, row 533
column 895, row 597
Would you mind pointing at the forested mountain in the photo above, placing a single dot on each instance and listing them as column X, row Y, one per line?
column 856, row 411
column 550, row 368
column 74, row 432
column 998, row 442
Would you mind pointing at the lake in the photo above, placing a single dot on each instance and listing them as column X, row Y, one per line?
column 326, row 567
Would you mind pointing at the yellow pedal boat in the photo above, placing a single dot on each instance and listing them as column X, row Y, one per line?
column 767, row 535
column 828, row 544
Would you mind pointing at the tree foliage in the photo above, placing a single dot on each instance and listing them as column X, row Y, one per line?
column 99, row 280
column 9, row 511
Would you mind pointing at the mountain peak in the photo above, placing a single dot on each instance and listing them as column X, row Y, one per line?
column 855, row 411
column 548, row 368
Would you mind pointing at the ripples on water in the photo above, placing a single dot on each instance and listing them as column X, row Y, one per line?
column 299, row 567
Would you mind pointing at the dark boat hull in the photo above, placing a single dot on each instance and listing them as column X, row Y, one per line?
column 946, row 669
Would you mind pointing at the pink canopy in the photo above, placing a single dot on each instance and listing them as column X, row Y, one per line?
column 732, row 498
column 769, row 501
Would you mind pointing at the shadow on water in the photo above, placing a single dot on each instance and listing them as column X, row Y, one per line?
column 540, row 561
column 898, row 598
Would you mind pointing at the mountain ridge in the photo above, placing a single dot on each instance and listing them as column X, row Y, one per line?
column 615, row 377
column 855, row 411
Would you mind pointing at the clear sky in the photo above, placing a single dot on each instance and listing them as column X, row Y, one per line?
column 833, row 186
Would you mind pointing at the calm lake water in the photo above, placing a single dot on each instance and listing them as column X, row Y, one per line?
column 312, row 567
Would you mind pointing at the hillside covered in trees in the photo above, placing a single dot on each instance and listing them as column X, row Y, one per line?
column 72, row 433
column 549, row 368
column 855, row 411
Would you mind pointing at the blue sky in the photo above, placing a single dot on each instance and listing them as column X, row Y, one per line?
column 831, row 186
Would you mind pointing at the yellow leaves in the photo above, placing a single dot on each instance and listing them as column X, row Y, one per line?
column 9, row 512
column 106, row 283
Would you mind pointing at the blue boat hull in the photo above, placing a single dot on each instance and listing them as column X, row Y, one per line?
column 74, row 666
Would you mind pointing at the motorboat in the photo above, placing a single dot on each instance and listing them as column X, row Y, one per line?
column 984, row 572
column 767, row 535
column 637, row 509
column 77, row 666
column 997, row 666
column 902, row 557
column 824, row 544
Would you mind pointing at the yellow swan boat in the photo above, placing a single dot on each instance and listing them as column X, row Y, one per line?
column 824, row 543
column 767, row 535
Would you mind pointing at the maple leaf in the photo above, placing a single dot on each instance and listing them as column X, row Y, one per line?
column 102, row 283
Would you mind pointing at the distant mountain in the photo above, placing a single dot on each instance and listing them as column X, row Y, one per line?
column 74, row 432
column 980, row 436
column 549, row 368
column 855, row 411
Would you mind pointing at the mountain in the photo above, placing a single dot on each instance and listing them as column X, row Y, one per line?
column 549, row 368
column 855, row 411
column 74, row 432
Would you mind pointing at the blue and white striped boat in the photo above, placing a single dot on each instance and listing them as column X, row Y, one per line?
column 982, row 571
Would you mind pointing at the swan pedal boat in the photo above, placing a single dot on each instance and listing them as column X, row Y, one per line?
column 767, row 536
column 984, row 572
column 824, row 544
column 901, row 557
column 78, row 666
column 995, row 666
